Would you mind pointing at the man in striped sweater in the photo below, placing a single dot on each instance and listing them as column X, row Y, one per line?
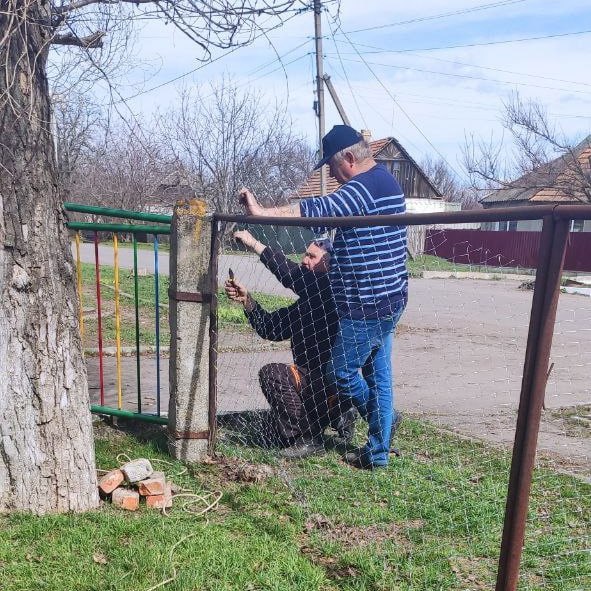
column 369, row 282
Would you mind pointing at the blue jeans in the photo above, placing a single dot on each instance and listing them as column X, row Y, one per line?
column 366, row 345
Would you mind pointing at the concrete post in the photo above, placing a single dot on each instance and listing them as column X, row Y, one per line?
column 189, row 312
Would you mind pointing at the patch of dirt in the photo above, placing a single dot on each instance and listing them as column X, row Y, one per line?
column 102, row 430
column 333, row 568
column 142, row 431
column 474, row 574
column 237, row 470
column 360, row 536
column 575, row 421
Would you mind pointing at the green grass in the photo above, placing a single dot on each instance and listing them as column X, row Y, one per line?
column 427, row 262
column 162, row 246
column 432, row 520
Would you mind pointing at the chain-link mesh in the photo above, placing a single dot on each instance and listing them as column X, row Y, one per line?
column 434, row 516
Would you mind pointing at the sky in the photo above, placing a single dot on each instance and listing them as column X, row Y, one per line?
column 426, row 72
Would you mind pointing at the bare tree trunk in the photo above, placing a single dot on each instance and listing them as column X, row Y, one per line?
column 416, row 236
column 46, row 445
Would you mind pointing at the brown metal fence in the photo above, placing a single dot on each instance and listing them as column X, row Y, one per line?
column 504, row 249
column 553, row 242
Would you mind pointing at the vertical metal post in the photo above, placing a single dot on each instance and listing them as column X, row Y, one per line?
column 319, row 86
column 217, row 234
column 117, row 321
column 79, row 286
column 157, row 302
column 137, row 326
column 539, row 342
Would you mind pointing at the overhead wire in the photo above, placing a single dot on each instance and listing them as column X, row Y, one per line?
column 208, row 63
column 472, row 77
column 437, row 16
column 346, row 76
column 482, row 44
column 512, row 72
column 402, row 110
column 463, row 104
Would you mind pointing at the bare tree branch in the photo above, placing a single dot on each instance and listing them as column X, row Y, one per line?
column 73, row 6
column 540, row 157
column 90, row 42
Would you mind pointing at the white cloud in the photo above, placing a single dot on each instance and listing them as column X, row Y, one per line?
column 442, row 108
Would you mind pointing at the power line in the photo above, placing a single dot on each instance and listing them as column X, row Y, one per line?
column 437, row 16
column 400, row 106
column 279, row 57
column 523, row 39
column 468, row 76
column 181, row 76
column 437, row 100
column 439, row 59
column 455, row 62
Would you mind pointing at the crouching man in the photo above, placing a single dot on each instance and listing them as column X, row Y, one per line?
column 301, row 400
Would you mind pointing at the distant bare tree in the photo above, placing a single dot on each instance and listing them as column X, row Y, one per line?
column 121, row 168
column 46, row 444
column 533, row 154
column 226, row 138
column 452, row 188
column 76, row 120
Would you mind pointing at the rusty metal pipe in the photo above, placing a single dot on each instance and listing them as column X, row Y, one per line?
column 537, row 212
column 408, row 219
column 539, row 343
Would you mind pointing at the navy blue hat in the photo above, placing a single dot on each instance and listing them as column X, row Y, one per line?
column 337, row 139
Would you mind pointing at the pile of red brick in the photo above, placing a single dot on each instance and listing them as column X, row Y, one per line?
column 134, row 481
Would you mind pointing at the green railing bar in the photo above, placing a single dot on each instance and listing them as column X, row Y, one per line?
column 118, row 213
column 115, row 412
column 133, row 228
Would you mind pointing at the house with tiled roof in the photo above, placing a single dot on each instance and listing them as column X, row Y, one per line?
column 565, row 180
column 421, row 195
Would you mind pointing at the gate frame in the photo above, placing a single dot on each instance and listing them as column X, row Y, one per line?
column 553, row 242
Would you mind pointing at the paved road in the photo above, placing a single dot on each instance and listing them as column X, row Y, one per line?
column 458, row 361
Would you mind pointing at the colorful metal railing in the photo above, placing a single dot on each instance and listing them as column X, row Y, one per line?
column 96, row 228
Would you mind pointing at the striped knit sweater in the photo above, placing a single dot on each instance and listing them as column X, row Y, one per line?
column 368, row 265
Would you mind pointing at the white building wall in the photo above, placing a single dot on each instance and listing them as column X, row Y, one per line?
column 437, row 205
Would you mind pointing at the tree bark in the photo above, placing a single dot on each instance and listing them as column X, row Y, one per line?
column 46, row 445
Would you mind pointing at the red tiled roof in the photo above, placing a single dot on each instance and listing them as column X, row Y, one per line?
column 567, row 186
column 559, row 181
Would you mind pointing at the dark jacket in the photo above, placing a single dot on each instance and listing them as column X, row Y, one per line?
column 311, row 322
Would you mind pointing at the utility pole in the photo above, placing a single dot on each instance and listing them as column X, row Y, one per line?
column 319, row 86
column 336, row 100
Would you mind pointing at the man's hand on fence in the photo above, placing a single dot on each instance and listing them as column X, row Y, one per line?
column 249, row 241
column 246, row 198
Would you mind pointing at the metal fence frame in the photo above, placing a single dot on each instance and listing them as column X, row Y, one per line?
column 553, row 240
